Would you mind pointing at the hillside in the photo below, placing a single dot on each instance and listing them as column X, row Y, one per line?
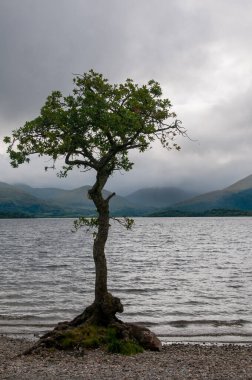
column 25, row 201
column 16, row 202
column 237, row 196
column 158, row 197
column 46, row 193
column 77, row 199
column 243, row 184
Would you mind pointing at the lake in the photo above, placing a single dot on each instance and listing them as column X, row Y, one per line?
column 187, row 279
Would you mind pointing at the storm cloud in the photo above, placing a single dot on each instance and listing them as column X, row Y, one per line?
column 199, row 51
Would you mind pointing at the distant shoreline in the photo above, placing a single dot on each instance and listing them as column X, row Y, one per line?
column 169, row 213
column 208, row 213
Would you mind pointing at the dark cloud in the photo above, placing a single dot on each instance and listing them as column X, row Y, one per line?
column 44, row 42
column 199, row 52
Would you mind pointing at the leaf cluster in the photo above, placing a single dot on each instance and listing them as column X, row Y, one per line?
column 92, row 223
column 97, row 125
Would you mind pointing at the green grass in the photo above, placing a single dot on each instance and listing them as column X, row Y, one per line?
column 117, row 345
column 90, row 337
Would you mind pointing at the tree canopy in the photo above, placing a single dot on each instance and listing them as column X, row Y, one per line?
column 97, row 125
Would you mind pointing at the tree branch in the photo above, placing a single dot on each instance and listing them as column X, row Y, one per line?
column 110, row 196
column 77, row 162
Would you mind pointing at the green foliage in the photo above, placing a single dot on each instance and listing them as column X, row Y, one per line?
column 89, row 223
column 87, row 336
column 97, row 125
column 90, row 336
column 124, row 347
column 116, row 345
column 92, row 223
column 126, row 222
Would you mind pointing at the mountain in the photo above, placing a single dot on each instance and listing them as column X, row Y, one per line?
column 41, row 192
column 158, row 197
column 16, row 202
column 77, row 199
column 238, row 196
column 243, row 184
column 25, row 201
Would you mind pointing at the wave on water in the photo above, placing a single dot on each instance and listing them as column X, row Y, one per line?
column 214, row 323
column 14, row 317
column 178, row 278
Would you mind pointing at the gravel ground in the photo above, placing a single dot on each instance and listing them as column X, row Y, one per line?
column 176, row 362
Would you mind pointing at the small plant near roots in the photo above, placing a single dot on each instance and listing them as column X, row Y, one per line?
column 121, row 346
column 84, row 337
column 91, row 336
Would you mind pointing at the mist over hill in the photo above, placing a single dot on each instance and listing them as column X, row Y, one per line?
column 159, row 197
column 16, row 202
column 231, row 200
column 235, row 196
column 25, row 201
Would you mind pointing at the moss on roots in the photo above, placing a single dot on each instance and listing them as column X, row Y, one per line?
column 90, row 336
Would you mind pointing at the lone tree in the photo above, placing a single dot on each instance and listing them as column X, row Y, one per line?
column 95, row 128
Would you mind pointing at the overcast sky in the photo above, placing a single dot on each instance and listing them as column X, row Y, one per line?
column 199, row 51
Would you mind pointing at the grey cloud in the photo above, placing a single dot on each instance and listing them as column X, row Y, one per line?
column 44, row 42
column 199, row 52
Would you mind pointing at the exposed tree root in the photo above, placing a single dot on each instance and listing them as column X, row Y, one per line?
column 96, row 327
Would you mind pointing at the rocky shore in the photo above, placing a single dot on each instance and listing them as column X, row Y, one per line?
column 176, row 362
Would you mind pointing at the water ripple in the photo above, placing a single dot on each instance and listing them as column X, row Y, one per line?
column 191, row 273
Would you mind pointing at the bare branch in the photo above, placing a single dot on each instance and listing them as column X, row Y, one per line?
column 86, row 170
column 125, row 222
column 110, row 196
column 78, row 162
column 49, row 167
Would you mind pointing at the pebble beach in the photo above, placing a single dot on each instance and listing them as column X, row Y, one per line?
column 175, row 362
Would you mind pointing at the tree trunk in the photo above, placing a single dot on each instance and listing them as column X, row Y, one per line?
column 99, row 252
column 105, row 305
column 102, row 206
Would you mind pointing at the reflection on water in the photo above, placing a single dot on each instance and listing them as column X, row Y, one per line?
column 187, row 278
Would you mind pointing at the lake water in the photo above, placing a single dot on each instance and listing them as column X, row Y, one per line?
column 188, row 279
